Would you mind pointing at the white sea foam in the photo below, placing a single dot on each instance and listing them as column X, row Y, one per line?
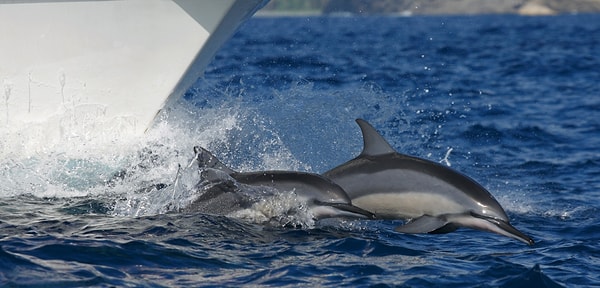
column 74, row 168
column 280, row 209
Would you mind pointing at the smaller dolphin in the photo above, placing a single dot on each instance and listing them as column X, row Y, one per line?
column 324, row 198
column 434, row 198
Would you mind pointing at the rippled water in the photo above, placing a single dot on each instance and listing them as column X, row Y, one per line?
column 510, row 101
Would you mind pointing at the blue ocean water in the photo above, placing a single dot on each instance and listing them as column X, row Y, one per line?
column 510, row 101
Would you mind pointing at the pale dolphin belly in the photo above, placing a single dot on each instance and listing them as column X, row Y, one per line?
column 407, row 205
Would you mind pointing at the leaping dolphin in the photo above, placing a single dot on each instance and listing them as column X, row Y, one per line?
column 433, row 197
column 324, row 198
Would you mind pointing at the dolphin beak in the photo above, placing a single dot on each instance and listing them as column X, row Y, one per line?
column 504, row 228
column 514, row 233
column 353, row 210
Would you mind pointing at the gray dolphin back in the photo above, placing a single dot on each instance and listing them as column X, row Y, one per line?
column 314, row 188
column 220, row 185
column 305, row 184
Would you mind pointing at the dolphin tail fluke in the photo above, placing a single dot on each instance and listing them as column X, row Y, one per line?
column 424, row 224
column 207, row 160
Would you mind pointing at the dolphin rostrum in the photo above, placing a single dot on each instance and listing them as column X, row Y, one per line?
column 433, row 197
column 324, row 198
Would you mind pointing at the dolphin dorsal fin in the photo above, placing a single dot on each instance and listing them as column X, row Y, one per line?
column 374, row 144
column 207, row 160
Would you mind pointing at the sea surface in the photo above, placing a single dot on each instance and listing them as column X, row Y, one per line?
column 511, row 101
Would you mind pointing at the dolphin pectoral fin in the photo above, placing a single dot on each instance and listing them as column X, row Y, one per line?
column 423, row 224
column 445, row 229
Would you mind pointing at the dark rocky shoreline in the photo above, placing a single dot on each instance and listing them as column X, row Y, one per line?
column 434, row 7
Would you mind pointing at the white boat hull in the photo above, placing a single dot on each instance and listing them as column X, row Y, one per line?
column 101, row 70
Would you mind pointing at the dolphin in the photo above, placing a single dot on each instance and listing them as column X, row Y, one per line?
column 324, row 198
column 433, row 197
